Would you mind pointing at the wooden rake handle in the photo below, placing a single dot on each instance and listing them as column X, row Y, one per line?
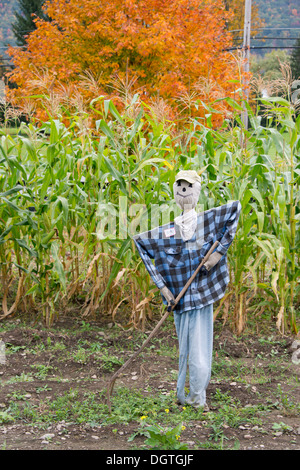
column 157, row 327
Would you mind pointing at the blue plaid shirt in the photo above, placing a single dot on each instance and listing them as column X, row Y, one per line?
column 175, row 260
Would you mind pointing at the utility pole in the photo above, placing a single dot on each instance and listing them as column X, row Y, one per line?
column 246, row 55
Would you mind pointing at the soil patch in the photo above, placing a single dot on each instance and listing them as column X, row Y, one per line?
column 53, row 379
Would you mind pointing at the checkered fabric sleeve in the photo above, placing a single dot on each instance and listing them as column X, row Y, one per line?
column 147, row 248
column 226, row 220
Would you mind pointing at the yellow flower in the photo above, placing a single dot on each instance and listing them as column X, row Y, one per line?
column 177, row 437
column 182, row 428
column 167, row 410
column 184, row 407
column 143, row 417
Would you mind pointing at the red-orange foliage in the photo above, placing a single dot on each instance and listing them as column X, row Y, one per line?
column 169, row 48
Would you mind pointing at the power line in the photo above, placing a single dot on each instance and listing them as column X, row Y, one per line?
column 267, row 37
column 269, row 29
column 6, row 47
column 262, row 47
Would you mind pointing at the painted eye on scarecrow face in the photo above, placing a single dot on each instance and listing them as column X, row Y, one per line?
column 190, row 185
column 178, row 183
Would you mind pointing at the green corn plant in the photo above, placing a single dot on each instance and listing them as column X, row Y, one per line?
column 285, row 196
column 250, row 174
column 12, row 219
column 138, row 170
column 55, row 178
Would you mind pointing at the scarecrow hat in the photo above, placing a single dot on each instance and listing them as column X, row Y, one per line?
column 191, row 176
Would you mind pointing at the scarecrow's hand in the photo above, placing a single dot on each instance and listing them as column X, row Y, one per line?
column 168, row 296
column 212, row 260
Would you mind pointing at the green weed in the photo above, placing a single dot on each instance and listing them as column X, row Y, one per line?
column 160, row 437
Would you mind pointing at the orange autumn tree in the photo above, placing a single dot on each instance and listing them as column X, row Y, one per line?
column 174, row 50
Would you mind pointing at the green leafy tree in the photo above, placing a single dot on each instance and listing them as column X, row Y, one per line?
column 295, row 60
column 24, row 24
column 268, row 66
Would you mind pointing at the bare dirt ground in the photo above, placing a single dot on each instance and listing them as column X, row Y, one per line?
column 42, row 365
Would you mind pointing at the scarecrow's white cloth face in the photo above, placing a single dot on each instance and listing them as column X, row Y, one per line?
column 186, row 194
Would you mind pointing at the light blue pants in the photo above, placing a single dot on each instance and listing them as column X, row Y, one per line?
column 195, row 336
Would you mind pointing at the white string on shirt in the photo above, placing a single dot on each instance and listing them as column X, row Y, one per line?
column 187, row 223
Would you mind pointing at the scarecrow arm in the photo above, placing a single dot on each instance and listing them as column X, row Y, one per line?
column 168, row 295
column 226, row 220
column 146, row 248
column 212, row 260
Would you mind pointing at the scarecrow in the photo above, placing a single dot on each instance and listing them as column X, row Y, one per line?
column 177, row 249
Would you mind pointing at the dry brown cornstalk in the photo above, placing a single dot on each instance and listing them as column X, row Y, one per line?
column 117, row 306
column 93, row 299
column 96, row 257
column 17, row 299
column 226, row 302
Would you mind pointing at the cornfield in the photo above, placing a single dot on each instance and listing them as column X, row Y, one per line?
column 71, row 195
